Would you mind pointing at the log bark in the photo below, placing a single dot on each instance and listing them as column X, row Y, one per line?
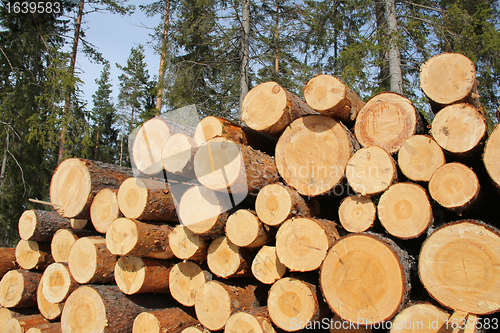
column 63, row 240
column 386, row 121
column 421, row 317
column 187, row 245
column 491, row 156
column 76, row 181
column 419, row 157
column 33, row 255
column 18, row 289
column 460, row 129
column 227, row 260
column 170, row 320
column 244, row 229
column 104, row 209
column 57, row 283
column 357, row 213
column 455, row 264
column 221, row 165
column 404, row 210
column 135, row 275
column 455, row 187
column 365, row 276
column 127, row 237
column 371, row 170
column 269, row 108
column 312, row 154
column 185, row 279
column 266, row 266
column 40, row 225
column 90, row 261
column 253, row 320
column 331, row 97
column 7, row 260
column 50, row 311
column 177, row 155
column 302, row 243
column 215, row 302
column 23, row 323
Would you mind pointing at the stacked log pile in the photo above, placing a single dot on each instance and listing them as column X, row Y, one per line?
column 322, row 214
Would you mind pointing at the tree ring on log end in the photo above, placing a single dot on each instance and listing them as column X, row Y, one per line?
column 205, row 215
column 121, row 236
column 82, row 260
column 84, row 312
column 147, row 322
column 11, row 289
column 132, row 197
column 212, row 305
column 273, row 204
column 129, row 274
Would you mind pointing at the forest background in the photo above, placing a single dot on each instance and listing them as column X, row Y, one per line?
column 211, row 54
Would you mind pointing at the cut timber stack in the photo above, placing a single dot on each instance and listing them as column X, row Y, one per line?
column 319, row 214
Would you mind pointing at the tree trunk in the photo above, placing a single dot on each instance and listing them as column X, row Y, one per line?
column 226, row 260
column 357, row 213
column 104, row 209
column 178, row 154
column 383, row 76
column 245, row 51
column 63, row 240
column 22, row 324
column 266, row 266
column 185, row 279
column 18, row 289
column 244, row 229
column 187, row 245
column 40, row 225
column 312, row 154
column 254, row 320
column 33, row 255
column 169, row 320
column 7, row 260
column 163, row 57
column 58, row 283
column 396, row 77
column 50, row 311
column 46, row 328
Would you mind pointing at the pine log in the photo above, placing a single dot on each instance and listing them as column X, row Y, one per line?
column 76, row 181
column 331, row 97
column 312, row 154
column 127, row 237
column 458, row 265
column 46, row 328
column 177, row 155
column 104, row 209
column 211, row 127
column 150, row 140
column 357, row 213
column 40, row 225
column 104, row 308
column 221, row 165
column 276, row 203
column 90, row 261
column 63, row 240
column 371, row 171
column 215, row 302
column 266, row 266
column 23, row 323
column 292, row 304
column 419, row 317
column 226, row 260
column 7, row 260
column 454, row 186
column 5, row 315
column 269, row 108
column 404, row 210
column 419, row 157
column 185, row 279
column 302, row 243
column 169, row 320
column 386, row 121
column 18, row 289
column 253, row 320
column 146, row 200
column 491, row 156
column 460, row 129
column 195, row 329
column 204, row 211
column 48, row 310
column 447, row 78
column 187, row 245
column 135, row 275
column 365, row 277
column 33, row 255
column 81, row 224
column 57, row 283
column 244, row 229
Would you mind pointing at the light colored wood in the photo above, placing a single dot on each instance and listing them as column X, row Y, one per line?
column 7, row 260
column 57, row 283
column 459, row 265
column 419, row 157
column 337, row 324
column 76, row 181
column 5, row 315
column 227, row 260
column 459, row 129
column 365, row 277
column 386, row 121
column 185, row 279
column 266, row 266
column 146, row 200
column 22, row 323
column 312, row 154
column 46, row 328
column 80, row 224
column 491, row 156
column 50, row 311
column 447, row 78
column 169, row 320
column 127, row 237
column 104, row 209
column 18, row 288
column 195, row 329
column 255, row 320
column 292, row 303
column 63, row 240
column 302, row 243
column 135, row 275
column 90, row 261
column 221, row 165
column 244, row 229
column 405, row 210
column 178, row 154
column 419, row 317
column 331, row 97
column 187, row 245
column 39, row 225
column 33, row 255
column 371, row 171
column 455, row 323
column 357, row 213
column 454, row 186
column 269, row 108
